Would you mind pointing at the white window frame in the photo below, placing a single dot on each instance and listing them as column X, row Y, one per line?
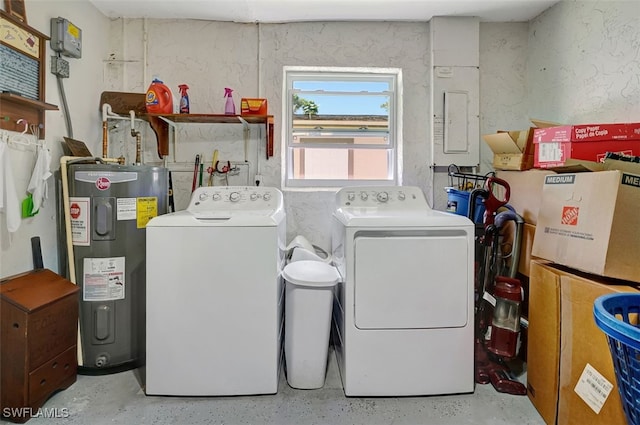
column 296, row 73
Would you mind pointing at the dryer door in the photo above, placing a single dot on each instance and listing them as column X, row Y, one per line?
column 412, row 282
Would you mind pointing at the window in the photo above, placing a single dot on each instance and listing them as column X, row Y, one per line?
column 341, row 127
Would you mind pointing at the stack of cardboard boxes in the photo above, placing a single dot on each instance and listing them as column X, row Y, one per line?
column 581, row 241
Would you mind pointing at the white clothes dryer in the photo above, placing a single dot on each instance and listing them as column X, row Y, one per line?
column 403, row 321
column 214, row 310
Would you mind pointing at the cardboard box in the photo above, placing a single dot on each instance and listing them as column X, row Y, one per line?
column 554, row 145
column 562, row 339
column 251, row 106
column 543, row 348
column 526, row 191
column 589, row 221
column 528, row 232
column 525, row 197
column 512, row 150
column 526, row 244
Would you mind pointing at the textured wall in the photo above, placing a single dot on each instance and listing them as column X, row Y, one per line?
column 503, row 90
column 584, row 62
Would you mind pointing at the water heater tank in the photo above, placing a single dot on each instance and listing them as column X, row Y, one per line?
column 109, row 207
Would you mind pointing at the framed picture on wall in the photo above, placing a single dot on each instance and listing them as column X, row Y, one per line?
column 17, row 9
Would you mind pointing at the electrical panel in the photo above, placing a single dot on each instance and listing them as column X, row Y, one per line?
column 456, row 116
column 66, row 38
column 455, row 91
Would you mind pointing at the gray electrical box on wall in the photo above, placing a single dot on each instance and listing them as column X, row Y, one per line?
column 66, row 38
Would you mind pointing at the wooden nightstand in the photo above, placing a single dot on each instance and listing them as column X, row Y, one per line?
column 39, row 311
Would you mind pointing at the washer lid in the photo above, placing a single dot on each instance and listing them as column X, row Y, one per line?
column 220, row 218
column 311, row 273
column 372, row 217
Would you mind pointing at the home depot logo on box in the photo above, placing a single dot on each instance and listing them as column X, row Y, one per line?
column 570, row 216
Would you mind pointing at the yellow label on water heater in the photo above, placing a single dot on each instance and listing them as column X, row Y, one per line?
column 147, row 208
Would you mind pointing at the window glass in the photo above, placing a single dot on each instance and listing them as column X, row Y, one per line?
column 341, row 128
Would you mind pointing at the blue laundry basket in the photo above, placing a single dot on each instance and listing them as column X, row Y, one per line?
column 613, row 314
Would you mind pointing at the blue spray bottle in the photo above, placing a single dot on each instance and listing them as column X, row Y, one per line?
column 229, row 106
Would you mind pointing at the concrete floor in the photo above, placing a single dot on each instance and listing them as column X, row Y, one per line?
column 119, row 399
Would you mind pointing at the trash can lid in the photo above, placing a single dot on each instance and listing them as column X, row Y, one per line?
column 311, row 273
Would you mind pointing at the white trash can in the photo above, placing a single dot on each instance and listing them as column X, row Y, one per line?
column 308, row 305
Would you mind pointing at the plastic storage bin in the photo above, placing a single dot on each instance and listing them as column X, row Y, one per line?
column 617, row 316
column 458, row 203
column 308, row 306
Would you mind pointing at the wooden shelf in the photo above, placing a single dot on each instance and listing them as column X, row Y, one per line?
column 14, row 107
column 23, row 60
column 29, row 102
column 160, row 124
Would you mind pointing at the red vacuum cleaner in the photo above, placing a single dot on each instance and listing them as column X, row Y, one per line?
column 498, row 292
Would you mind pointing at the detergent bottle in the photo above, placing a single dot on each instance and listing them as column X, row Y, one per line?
column 159, row 99
column 184, row 98
column 229, row 106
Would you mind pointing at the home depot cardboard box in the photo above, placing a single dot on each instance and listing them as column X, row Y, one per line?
column 590, row 221
column 526, row 244
column 526, row 191
column 525, row 197
column 554, row 145
column 564, row 341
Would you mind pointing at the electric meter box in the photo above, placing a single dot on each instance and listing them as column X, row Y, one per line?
column 66, row 38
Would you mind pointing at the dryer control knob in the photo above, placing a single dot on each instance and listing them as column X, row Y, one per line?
column 216, row 197
column 364, row 196
column 203, row 196
column 382, row 197
column 253, row 196
column 401, row 196
column 351, row 196
column 266, row 196
column 234, row 196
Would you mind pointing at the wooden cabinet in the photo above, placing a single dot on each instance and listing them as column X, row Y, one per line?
column 39, row 312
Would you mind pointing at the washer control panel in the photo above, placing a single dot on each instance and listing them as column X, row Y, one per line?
column 235, row 198
column 392, row 197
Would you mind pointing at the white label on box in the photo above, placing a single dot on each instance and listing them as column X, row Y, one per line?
column 549, row 152
column 126, row 208
column 593, row 388
column 103, row 279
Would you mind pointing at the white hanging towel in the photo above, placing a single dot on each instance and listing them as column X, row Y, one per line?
column 9, row 204
column 38, row 183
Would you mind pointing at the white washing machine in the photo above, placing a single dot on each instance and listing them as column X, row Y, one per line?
column 403, row 321
column 214, row 311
